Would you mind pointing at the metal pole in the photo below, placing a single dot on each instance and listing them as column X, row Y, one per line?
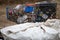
column 7, row 12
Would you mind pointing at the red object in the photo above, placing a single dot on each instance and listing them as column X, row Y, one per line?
column 10, row 12
column 30, row 4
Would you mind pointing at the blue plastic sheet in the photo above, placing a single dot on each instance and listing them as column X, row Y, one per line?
column 28, row 9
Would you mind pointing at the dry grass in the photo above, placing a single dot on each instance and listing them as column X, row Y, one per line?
column 3, row 20
column 58, row 10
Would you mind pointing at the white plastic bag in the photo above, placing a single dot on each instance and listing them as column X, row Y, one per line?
column 32, row 32
column 53, row 23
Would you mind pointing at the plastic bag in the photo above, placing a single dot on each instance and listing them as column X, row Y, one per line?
column 29, row 31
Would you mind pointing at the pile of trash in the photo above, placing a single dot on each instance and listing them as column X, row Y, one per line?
column 48, row 30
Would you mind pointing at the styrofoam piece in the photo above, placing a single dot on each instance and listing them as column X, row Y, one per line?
column 31, row 33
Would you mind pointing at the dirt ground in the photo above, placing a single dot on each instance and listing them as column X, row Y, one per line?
column 5, row 22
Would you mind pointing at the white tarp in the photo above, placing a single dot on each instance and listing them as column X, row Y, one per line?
column 29, row 31
column 53, row 23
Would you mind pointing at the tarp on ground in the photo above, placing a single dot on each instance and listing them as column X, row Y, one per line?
column 29, row 31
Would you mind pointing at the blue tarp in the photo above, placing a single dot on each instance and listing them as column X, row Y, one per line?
column 28, row 9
